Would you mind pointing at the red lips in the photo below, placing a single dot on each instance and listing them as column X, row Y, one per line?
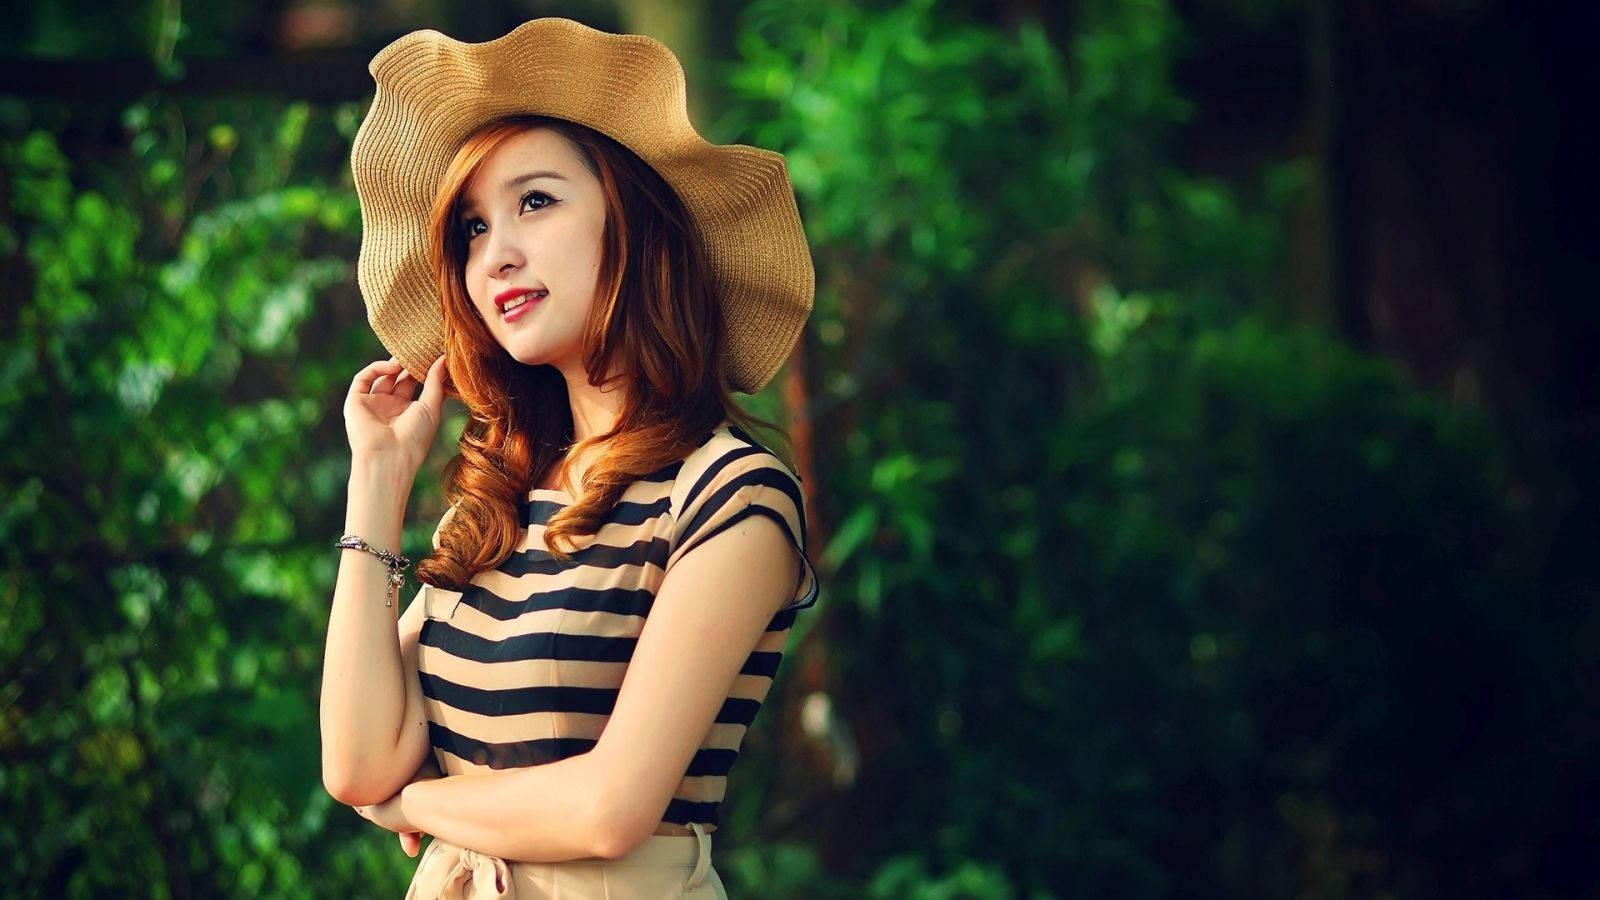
column 506, row 296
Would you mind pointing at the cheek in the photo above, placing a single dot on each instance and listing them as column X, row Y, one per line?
column 586, row 253
column 581, row 246
column 476, row 303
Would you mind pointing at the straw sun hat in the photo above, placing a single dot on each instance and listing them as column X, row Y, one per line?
column 434, row 91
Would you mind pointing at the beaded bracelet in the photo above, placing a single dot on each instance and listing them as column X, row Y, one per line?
column 395, row 562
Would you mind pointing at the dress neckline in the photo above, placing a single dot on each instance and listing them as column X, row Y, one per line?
column 561, row 492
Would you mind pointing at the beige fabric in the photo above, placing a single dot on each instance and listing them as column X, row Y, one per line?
column 661, row 867
column 433, row 91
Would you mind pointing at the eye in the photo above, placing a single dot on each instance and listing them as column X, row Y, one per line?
column 548, row 200
column 531, row 194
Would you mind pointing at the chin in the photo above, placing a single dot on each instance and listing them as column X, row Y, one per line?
column 531, row 356
column 531, row 351
column 528, row 359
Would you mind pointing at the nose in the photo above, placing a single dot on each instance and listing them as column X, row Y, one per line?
column 501, row 255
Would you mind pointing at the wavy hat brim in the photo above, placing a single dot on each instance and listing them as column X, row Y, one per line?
column 433, row 91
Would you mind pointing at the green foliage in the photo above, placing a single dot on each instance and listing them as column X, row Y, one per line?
column 1133, row 588
column 906, row 877
column 172, row 470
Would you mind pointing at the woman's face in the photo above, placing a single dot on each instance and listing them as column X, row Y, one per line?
column 533, row 217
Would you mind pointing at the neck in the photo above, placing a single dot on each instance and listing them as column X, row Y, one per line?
column 595, row 410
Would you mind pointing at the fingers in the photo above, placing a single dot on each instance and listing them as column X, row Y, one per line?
column 367, row 378
column 386, row 382
column 433, row 388
column 405, row 386
column 391, row 377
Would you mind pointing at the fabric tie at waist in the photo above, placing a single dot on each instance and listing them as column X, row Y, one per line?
column 702, row 863
column 449, row 872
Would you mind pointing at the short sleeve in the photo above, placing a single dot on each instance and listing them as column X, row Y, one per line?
column 439, row 529
column 437, row 602
column 737, row 485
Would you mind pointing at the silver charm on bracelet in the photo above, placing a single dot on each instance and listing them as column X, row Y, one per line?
column 395, row 563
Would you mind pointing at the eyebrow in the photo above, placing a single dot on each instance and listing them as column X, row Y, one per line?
column 520, row 179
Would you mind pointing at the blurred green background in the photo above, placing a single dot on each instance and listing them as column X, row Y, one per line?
column 1197, row 414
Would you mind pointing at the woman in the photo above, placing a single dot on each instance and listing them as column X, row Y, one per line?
column 610, row 590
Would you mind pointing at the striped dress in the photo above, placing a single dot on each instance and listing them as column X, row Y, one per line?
column 523, row 666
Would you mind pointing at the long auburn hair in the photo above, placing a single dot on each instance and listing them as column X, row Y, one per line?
column 655, row 312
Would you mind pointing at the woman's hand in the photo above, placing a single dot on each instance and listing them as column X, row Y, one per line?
column 384, row 422
column 387, row 813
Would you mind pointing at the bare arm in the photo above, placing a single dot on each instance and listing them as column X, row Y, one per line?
column 374, row 733
column 411, row 840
